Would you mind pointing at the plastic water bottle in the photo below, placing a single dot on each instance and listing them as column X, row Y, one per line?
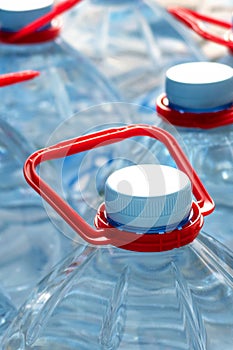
column 198, row 101
column 214, row 24
column 136, row 294
column 29, row 244
column 132, row 41
column 68, row 81
column 7, row 312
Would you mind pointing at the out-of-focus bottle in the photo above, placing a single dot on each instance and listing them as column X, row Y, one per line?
column 198, row 102
column 132, row 41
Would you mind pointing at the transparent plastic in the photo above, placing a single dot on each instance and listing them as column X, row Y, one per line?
column 80, row 178
column 29, row 114
column 113, row 299
column 133, row 42
column 68, row 83
column 207, row 133
column 211, row 152
column 29, row 244
column 109, row 298
column 7, row 312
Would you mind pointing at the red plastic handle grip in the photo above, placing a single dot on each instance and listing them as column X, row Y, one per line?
column 105, row 236
column 18, row 77
column 35, row 37
column 194, row 20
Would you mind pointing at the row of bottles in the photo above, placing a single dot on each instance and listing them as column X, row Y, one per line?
column 108, row 297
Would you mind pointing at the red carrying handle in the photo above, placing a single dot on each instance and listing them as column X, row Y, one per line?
column 106, row 234
column 27, row 34
column 194, row 20
column 18, row 77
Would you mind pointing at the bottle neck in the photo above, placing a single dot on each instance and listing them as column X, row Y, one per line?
column 114, row 2
column 17, row 16
column 200, row 111
column 180, row 117
column 32, row 48
column 150, row 230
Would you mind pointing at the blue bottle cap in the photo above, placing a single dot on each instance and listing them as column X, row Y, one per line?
column 200, row 86
column 16, row 14
column 148, row 198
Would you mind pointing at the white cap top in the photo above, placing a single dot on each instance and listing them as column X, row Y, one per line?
column 200, row 86
column 15, row 14
column 147, row 197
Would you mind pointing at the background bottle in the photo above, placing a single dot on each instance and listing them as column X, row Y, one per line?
column 199, row 103
column 7, row 312
column 63, row 88
column 67, row 83
column 132, row 42
column 213, row 24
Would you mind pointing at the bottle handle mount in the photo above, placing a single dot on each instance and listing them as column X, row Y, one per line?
column 204, row 120
column 31, row 33
column 195, row 21
column 105, row 234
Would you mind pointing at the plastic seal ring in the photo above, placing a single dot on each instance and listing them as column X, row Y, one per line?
column 153, row 242
column 206, row 120
column 105, row 234
column 36, row 37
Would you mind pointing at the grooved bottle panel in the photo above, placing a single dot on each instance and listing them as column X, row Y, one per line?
column 113, row 299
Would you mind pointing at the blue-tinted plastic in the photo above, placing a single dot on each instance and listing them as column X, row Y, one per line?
column 108, row 298
column 113, row 299
column 132, row 42
column 211, row 154
column 7, row 312
column 68, row 83
column 29, row 244
column 228, row 59
column 29, row 114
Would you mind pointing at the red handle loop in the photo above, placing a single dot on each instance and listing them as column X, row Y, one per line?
column 107, row 234
column 194, row 20
column 18, row 77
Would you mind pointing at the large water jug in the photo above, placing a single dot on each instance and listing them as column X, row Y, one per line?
column 68, row 81
column 7, row 312
column 216, row 30
column 29, row 244
column 132, row 41
column 159, row 283
column 198, row 101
